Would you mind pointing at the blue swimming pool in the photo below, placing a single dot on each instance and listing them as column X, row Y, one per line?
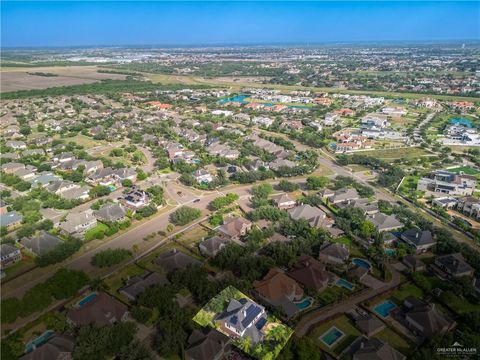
column 383, row 309
column 238, row 98
column 332, row 336
column 462, row 121
column 42, row 339
column 87, row 299
column 362, row 263
column 304, row 303
column 344, row 283
column 390, row 252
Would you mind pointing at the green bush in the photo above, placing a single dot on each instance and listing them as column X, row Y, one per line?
column 110, row 257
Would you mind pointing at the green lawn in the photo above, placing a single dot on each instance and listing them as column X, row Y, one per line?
column 408, row 290
column 117, row 280
column 344, row 325
column 92, row 233
column 458, row 304
column 392, row 154
column 395, row 340
column 343, row 240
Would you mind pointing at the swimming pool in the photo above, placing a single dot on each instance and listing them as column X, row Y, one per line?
column 385, row 308
column 304, row 303
column 390, row 252
column 462, row 121
column 332, row 336
column 344, row 283
column 42, row 339
column 362, row 263
column 87, row 299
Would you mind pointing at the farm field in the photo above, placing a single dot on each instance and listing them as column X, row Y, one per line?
column 14, row 79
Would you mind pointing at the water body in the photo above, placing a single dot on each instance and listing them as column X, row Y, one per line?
column 241, row 99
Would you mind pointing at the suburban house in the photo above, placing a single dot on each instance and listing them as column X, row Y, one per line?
column 448, row 183
column 69, row 190
column 242, row 318
column 44, row 179
column 384, row 222
column 341, row 195
column 16, row 145
column 136, row 285
column 41, row 243
column 77, row 224
column 453, row 265
column 135, row 198
column 365, row 205
column 375, row 121
column 311, row 273
column 9, row 255
column 211, row 246
column 101, row 309
column 206, row 344
column 234, row 228
column 333, row 253
column 174, row 260
column 284, row 201
column 202, row 176
column 58, row 347
column 363, row 348
column 10, row 219
column 369, row 325
column 314, row 216
column 469, row 206
column 111, row 212
column 425, row 319
column 420, row 240
column 279, row 290
column 414, row 263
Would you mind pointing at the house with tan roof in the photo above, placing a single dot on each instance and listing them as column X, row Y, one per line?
column 279, row 290
column 311, row 273
column 234, row 228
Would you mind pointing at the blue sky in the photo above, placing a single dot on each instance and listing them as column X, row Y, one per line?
column 72, row 23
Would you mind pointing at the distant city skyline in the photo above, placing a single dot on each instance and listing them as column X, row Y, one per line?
column 77, row 24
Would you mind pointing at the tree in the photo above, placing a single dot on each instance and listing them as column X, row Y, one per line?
column 287, row 186
column 316, row 182
column 223, row 201
column 184, row 215
column 110, row 257
column 98, row 191
column 262, row 191
column 367, row 229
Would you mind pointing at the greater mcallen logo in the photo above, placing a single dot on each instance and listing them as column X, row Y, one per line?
column 457, row 350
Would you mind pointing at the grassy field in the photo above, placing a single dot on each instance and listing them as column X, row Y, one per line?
column 392, row 154
column 85, row 141
column 20, row 78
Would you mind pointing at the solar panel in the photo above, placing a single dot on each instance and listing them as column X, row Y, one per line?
column 251, row 313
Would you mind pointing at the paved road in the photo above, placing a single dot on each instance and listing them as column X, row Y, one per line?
column 309, row 321
column 125, row 241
